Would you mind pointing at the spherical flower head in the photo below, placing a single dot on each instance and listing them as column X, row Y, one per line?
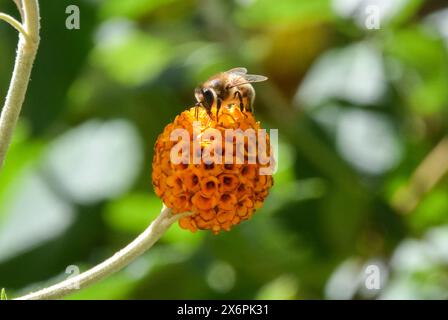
column 213, row 167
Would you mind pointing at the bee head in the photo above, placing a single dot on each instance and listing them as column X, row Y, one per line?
column 205, row 96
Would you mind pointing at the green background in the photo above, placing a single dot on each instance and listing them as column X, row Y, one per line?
column 357, row 111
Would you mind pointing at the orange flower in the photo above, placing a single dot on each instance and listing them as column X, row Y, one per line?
column 219, row 195
column 209, row 186
column 228, row 182
column 201, row 202
column 227, row 202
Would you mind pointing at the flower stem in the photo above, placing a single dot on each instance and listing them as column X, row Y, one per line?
column 118, row 261
column 26, row 53
column 13, row 22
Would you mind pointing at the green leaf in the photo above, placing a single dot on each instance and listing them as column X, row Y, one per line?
column 3, row 295
column 133, row 57
column 407, row 12
column 132, row 8
column 431, row 211
column 263, row 12
column 22, row 153
column 284, row 287
column 424, row 71
column 118, row 286
column 132, row 213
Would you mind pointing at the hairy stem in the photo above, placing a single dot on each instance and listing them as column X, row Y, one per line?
column 118, row 261
column 26, row 53
column 14, row 23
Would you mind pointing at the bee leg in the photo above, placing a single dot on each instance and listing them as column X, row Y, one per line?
column 196, row 112
column 218, row 106
column 240, row 99
column 209, row 112
column 250, row 96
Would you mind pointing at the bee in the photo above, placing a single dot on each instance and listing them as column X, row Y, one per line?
column 228, row 87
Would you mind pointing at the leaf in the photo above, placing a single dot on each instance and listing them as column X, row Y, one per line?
column 132, row 57
column 132, row 213
column 83, row 158
column 424, row 71
column 264, row 12
column 407, row 12
column 3, row 295
column 118, row 286
column 22, row 153
column 132, row 8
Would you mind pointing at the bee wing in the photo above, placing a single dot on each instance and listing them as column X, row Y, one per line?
column 254, row 78
column 247, row 78
column 238, row 70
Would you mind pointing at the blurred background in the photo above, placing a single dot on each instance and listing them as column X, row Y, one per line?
column 362, row 115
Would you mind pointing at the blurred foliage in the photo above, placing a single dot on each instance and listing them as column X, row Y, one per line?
column 357, row 111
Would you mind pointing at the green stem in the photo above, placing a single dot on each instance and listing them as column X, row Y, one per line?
column 26, row 53
column 115, row 263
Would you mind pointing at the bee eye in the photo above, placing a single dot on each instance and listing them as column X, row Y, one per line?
column 208, row 97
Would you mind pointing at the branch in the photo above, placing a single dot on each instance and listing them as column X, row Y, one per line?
column 19, row 6
column 13, row 22
column 115, row 263
column 26, row 53
column 432, row 169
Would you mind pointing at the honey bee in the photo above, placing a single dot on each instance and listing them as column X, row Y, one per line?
column 228, row 87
